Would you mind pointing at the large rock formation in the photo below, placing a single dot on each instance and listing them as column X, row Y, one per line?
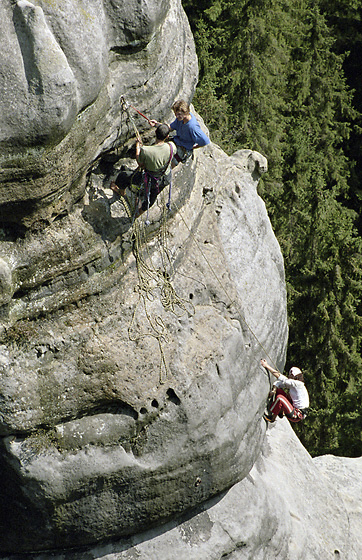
column 64, row 66
column 131, row 395
column 289, row 506
column 127, row 409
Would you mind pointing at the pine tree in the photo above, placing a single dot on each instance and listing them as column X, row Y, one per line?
column 345, row 19
column 213, row 31
column 278, row 75
column 323, row 253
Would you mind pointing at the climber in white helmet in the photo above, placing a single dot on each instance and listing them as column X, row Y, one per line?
column 293, row 404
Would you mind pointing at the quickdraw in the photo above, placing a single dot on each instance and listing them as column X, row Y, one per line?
column 125, row 106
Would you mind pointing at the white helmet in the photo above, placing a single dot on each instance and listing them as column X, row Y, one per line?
column 294, row 371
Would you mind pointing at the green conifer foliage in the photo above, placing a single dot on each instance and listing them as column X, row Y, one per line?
column 345, row 19
column 322, row 253
column 272, row 79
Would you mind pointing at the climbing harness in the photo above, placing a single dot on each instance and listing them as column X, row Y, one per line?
column 185, row 154
column 155, row 183
column 151, row 181
column 298, row 415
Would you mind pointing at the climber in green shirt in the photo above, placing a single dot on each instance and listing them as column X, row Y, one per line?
column 155, row 161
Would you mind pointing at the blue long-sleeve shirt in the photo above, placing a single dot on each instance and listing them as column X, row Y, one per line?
column 188, row 134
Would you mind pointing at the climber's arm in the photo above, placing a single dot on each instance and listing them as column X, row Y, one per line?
column 138, row 152
column 273, row 371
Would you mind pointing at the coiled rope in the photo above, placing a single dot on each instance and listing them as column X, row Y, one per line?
column 148, row 275
column 150, row 281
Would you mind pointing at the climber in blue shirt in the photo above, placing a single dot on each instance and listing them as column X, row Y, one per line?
column 189, row 134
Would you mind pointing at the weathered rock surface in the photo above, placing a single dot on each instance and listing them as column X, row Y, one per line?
column 130, row 389
column 98, row 441
column 289, row 506
column 63, row 67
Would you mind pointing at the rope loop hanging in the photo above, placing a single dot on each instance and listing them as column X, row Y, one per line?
column 150, row 281
column 151, row 278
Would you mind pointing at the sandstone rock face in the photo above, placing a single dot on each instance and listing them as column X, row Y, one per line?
column 313, row 514
column 270, row 514
column 141, row 402
column 63, row 67
column 131, row 396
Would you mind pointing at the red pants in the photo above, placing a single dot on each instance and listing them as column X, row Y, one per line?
column 283, row 403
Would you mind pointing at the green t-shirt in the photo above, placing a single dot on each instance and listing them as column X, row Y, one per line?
column 155, row 158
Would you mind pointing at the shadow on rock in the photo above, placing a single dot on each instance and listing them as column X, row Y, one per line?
column 112, row 216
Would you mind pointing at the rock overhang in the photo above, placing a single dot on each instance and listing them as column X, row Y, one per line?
column 65, row 67
column 97, row 443
column 91, row 391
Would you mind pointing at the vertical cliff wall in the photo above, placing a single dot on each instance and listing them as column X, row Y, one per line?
column 123, row 411
column 131, row 396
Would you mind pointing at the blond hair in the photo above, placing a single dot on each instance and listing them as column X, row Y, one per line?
column 181, row 106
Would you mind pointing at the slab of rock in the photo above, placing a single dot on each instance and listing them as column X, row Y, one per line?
column 345, row 473
column 289, row 505
column 143, row 401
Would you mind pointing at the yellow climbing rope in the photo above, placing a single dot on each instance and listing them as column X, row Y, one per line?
column 150, row 281
column 150, row 278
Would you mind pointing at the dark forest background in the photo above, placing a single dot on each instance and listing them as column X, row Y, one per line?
column 284, row 77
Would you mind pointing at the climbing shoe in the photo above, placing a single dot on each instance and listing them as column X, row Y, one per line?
column 269, row 417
